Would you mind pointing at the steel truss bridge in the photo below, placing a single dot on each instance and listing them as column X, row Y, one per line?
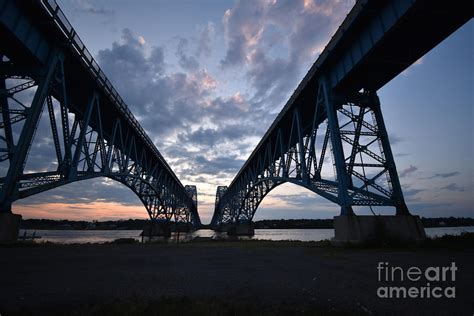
column 330, row 136
column 44, row 66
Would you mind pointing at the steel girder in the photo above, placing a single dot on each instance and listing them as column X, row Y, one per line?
column 84, row 148
column 362, row 172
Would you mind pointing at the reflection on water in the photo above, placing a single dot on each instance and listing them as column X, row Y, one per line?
column 440, row 231
column 81, row 236
column 294, row 234
column 101, row 236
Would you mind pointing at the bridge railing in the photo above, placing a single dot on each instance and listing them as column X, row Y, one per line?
column 81, row 51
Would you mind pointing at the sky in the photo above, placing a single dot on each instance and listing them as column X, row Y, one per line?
column 207, row 78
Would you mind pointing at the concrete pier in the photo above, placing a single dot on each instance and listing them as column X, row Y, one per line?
column 243, row 229
column 9, row 227
column 156, row 230
column 356, row 229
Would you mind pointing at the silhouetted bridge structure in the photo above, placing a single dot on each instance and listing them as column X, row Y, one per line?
column 330, row 137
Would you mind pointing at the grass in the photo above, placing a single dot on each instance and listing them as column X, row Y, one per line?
column 184, row 306
column 450, row 242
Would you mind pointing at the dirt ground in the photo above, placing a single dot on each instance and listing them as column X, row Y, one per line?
column 283, row 273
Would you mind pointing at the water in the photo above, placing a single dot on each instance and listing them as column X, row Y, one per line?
column 101, row 236
column 81, row 236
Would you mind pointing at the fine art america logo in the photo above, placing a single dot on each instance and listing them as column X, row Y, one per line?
column 429, row 282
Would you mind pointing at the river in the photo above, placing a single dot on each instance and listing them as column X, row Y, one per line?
column 101, row 236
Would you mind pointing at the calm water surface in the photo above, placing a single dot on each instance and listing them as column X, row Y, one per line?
column 101, row 236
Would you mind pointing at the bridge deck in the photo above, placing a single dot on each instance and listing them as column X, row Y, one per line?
column 33, row 29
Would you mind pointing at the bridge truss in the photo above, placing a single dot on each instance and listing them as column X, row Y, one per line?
column 343, row 155
column 330, row 137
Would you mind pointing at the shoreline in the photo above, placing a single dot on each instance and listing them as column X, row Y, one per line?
column 465, row 240
column 267, row 228
column 139, row 224
column 130, row 236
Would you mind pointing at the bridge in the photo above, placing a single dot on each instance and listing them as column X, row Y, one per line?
column 330, row 136
column 335, row 115
column 44, row 66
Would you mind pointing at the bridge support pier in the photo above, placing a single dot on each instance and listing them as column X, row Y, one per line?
column 156, row 229
column 9, row 227
column 182, row 227
column 357, row 229
column 242, row 229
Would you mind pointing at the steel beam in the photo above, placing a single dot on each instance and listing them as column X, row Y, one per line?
column 10, row 190
column 342, row 178
column 397, row 196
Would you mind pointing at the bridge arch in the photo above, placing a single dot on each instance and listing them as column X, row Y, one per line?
column 151, row 197
column 259, row 191
column 299, row 152
column 93, row 131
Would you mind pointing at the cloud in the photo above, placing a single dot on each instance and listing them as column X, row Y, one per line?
column 217, row 165
column 186, row 62
column 444, row 175
column 212, row 137
column 410, row 193
column 99, row 189
column 163, row 102
column 395, row 140
column 204, row 40
column 243, row 27
column 273, row 51
column 86, row 6
column 408, row 171
column 453, row 187
column 87, row 211
column 402, row 154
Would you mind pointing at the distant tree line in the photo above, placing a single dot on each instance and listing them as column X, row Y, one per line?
column 294, row 223
column 137, row 224
column 447, row 221
column 328, row 223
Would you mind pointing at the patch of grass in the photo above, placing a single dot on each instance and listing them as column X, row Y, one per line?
column 454, row 242
column 125, row 241
column 28, row 244
column 185, row 306
column 463, row 241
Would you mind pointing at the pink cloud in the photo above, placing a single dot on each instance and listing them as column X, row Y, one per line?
column 89, row 211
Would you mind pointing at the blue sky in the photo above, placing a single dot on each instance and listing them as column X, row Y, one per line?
column 207, row 78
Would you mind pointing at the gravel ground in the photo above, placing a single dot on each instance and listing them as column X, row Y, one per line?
column 292, row 274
